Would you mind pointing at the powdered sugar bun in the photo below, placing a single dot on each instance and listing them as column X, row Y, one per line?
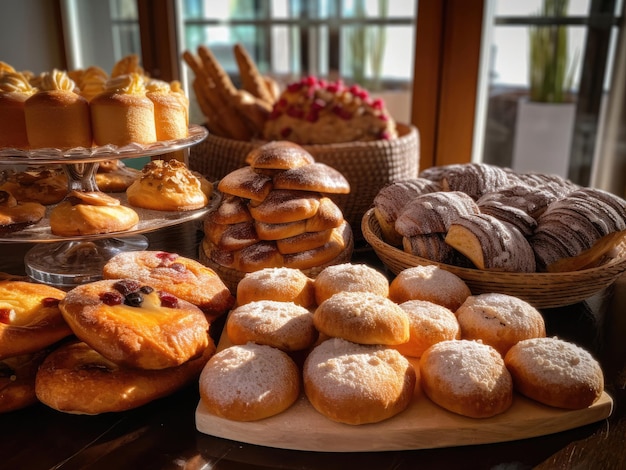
column 357, row 384
column 466, row 377
column 555, row 372
column 283, row 325
column 499, row 320
column 249, row 382
column 474, row 179
column 313, row 177
column 430, row 283
column 429, row 324
column 328, row 215
column 303, row 242
column 230, row 210
column 280, row 231
column 280, row 283
column 246, row 183
column 284, row 205
column 348, row 277
column 362, row 317
column 279, row 155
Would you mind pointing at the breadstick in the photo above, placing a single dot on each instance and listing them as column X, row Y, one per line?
column 211, row 122
column 272, row 87
column 253, row 109
column 215, row 71
column 251, row 79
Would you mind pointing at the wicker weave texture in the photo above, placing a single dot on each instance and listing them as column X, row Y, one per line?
column 543, row 290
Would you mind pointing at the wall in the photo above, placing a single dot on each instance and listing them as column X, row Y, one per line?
column 30, row 35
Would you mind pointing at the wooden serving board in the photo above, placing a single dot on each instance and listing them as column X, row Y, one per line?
column 423, row 425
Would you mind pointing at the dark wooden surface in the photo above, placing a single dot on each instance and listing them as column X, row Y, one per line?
column 162, row 434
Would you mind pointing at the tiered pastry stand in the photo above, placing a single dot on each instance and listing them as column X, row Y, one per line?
column 70, row 261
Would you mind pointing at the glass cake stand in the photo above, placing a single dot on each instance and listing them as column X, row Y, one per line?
column 67, row 261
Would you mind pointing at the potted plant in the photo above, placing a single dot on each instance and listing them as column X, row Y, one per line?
column 545, row 119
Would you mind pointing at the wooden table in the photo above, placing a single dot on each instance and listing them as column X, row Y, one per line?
column 162, row 435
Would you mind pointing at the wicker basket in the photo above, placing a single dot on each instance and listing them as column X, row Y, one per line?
column 231, row 277
column 543, row 290
column 368, row 166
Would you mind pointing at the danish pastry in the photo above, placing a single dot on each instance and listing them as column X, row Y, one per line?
column 15, row 216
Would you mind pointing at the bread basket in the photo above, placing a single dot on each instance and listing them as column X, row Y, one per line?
column 543, row 290
column 368, row 166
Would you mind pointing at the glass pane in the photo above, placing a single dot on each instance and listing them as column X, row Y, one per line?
column 587, row 57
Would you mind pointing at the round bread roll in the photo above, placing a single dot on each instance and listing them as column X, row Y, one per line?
column 230, row 210
column 76, row 379
column 278, row 155
column 246, row 183
column 134, row 325
column 429, row 324
column 186, row 278
column 340, row 243
column 358, row 384
column 555, row 372
column 280, row 231
column 430, row 283
column 328, row 215
column 283, row 325
column 17, row 380
column 499, row 320
column 348, row 277
column 30, row 319
column 280, row 284
column 362, row 317
column 304, row 242
column 284, row 205
column 466, row 377
column 122, row 113
column 249, row 382
column 89, row 213
column 313, row 177
column 167, row 186
column 15, row 216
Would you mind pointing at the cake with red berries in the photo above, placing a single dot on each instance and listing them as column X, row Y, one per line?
column 316, row 111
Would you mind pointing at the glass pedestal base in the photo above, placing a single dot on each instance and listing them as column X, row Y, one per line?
column 72, row 263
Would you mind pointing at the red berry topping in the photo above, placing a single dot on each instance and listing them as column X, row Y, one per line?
column 168, row 300
column 294, row 87
column 111, row 298
column 179, row 267
column 50, row 302
column 342, row 112
column 318, row 104
column 294, row 112
column 5, row 315
column 285, row 131
column 165, row 256
column 378, row 103
column 126, row 286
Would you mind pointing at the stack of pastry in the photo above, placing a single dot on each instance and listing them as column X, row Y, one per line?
column 277, row 211
column 483, row 216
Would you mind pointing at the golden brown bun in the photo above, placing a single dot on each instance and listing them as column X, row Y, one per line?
column 249, row 382
column 43, row 185
column 246, row 183
column 340, row 239
column 313, row 177
column 115, row 179
column 122, row 117
column 328, row 215
column 357, row 384
column 283, row 325
column 167, row 186
column 17, row 380
column 348, row 277
column 258, row 256
column 267, row 231
column 499, row 320
column 491, row 244
column 466, row 377
column 303, row 242
column 15, row 216
column 284, row 205
column 30, row 319
column 77, row 379
column 362, row 317
column 132, row 324
column 429, row 324
column 429, row 283
column 91, row 212
column 231, row 237
column 58, row 119
column 230, row 210
column 186, row 278
column 555, row 372
column 280, row 284
column 278, row 155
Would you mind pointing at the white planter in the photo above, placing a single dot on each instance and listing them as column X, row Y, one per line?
column 543, row 137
